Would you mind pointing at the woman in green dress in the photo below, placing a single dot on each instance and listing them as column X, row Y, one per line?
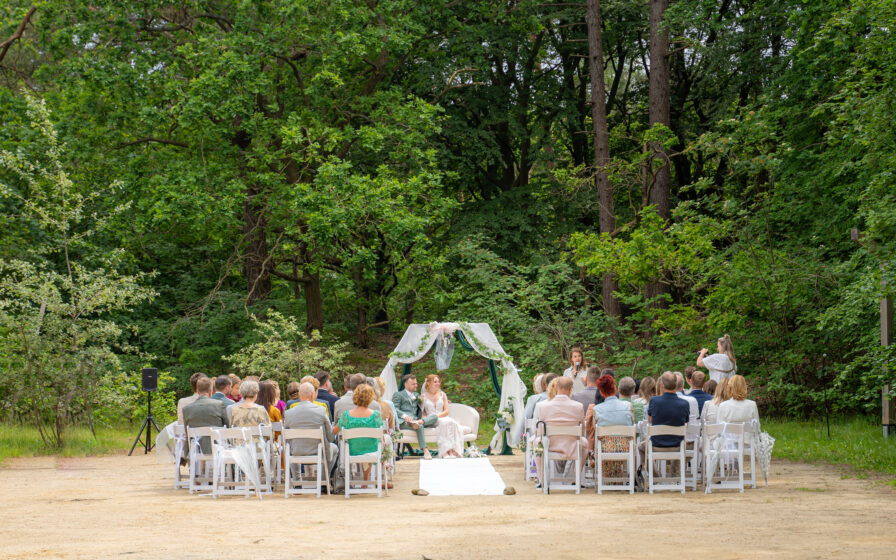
column 361, row 417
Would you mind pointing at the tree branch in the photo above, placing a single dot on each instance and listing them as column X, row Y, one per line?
column 18, row 34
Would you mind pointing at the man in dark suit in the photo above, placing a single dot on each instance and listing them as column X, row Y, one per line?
column 666, row 410
column 205, row 411
column 698, row 379
column 222, row 389
column 325, row 392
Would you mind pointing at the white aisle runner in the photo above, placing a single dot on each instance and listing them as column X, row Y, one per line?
column 460, row 477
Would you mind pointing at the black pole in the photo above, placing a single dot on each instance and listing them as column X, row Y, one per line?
column 824, row 371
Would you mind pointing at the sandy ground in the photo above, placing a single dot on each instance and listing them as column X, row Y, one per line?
column 121, row 506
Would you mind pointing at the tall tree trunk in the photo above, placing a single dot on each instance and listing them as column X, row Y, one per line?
column 601, row 143
column 258, row 276
column 314, row 306
column 659, row 113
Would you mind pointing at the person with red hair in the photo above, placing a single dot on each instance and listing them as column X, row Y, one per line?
column 611, row 412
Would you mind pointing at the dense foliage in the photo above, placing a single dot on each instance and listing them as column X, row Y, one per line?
column 343, row 167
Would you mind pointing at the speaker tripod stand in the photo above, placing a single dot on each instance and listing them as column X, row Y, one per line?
column 147, row 425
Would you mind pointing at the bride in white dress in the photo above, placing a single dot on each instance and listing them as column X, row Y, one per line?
column 450, row 434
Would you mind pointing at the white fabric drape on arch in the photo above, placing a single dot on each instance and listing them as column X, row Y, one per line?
column 415, row 344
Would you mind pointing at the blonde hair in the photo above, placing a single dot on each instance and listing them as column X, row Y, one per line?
column 552, row 388
column 363, row 395
column 728, row 349
column 313, row 380
column 647, row 388
column 721, row 393
column 737, row 387
column 428, row 381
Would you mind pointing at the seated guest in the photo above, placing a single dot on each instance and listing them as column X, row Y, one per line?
column 606, row 371
column 247, row 414
column 362, row 416
column 692, row 402
column 409, row 405
column 710, row 387
column 292, row 394
column 698, row 379
column 308, row 416
column 325, row 391
column 738, row 408
column 646, row 391
column 688, row 378
column 586, row 395
column 389, row 415
column 626, row 392
column 612, row 412
column 347, row 401
column 552, row 392
column 281, row 405
column 267, row 397
column 234, row 394
column 665, row 410
column 222, row 389
column 191, row 399
column 541, row 387
column 205, row 411
column 711, row 408
column 560, row 410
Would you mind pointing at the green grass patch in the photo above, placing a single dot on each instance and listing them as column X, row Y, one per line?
column 855, row 442
column 24, row 441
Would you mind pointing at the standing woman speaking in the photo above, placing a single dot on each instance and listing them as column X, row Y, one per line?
column 721, row 365
column 577, row 368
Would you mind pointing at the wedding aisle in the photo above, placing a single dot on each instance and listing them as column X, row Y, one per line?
column 460, row 477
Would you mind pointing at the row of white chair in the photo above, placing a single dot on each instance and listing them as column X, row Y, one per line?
column 219, row 472
column 724, row 446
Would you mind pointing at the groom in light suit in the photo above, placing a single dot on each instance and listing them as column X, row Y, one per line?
column 408, row 405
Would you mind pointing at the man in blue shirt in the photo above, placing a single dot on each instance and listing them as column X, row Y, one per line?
column 666, row 410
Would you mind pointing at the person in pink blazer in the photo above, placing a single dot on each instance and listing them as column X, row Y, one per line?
column 564, row 411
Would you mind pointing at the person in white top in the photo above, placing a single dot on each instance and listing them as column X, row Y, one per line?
column 450, row 435
column 711, row 408
column 721, row 365
column 738, row 408
column 577, row 370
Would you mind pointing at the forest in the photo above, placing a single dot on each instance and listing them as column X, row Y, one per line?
column 280, row 186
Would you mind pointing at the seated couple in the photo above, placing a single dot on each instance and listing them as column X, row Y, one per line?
column 429, row 409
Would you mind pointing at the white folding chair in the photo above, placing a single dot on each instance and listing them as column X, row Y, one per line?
column 201, row 464
column 627, row 456
column 305, row 464
column 226, row 443
column 561, row 482
column 375, row 459
column 693, row 453
column 724, row 444
column 655, row 454
column 751, row 435
column 529, row 434
column 180, row 445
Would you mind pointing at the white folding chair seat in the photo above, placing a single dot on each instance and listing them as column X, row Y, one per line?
column 305, row 464
column 693, row 454
column 375, row 459
column 623, row 456
column 723, row 443
column 226, row 479
column 201, row 464
column 180, row 447
column 561, row 482
column 655, row 454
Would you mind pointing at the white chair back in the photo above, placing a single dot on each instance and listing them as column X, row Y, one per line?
column 466, row 416
column 374, row 458
column 299, row 484
column 628, row 457
column 676, row 453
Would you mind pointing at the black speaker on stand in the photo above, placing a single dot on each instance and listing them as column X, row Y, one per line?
column 150, row 384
